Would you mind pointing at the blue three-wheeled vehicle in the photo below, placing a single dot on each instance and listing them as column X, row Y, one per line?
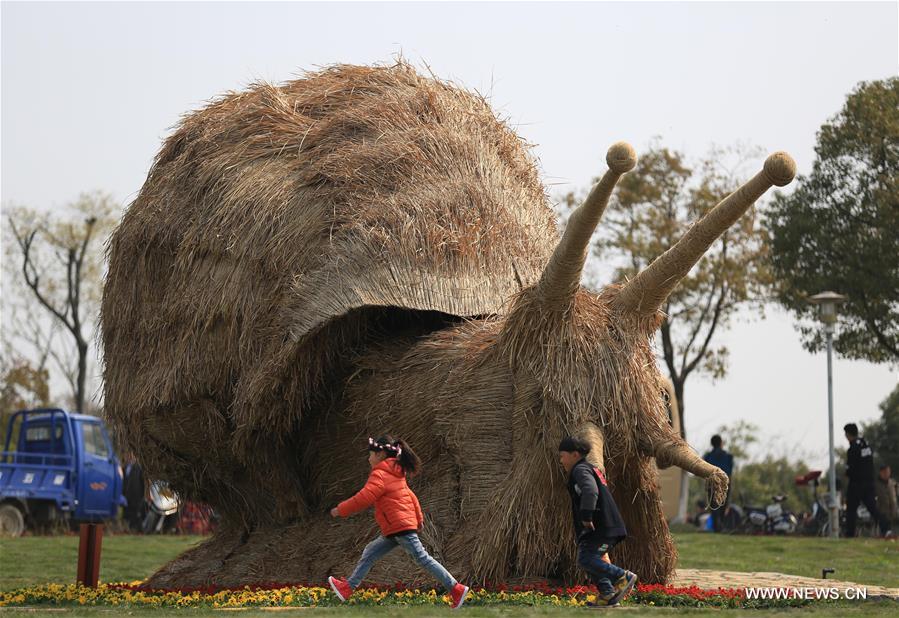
column 61, row 468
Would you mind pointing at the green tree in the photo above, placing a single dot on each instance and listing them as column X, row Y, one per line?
column 883, row 434
column 839, row 230
column 756, row 482
column 739, row 439
column 840, row 460
column 53, row 275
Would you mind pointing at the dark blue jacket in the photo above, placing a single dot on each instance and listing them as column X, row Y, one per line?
column 722, row 459
column 860, row 462
column 592, row 501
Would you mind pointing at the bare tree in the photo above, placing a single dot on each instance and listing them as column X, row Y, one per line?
column 57, row 262
column 654, row 207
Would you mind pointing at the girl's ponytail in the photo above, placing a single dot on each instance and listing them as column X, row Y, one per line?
column 398, row 449
column 407, row 459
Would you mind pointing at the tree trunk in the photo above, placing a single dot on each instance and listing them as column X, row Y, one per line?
column 82, row 376
column 684, row 497
column 679, row 397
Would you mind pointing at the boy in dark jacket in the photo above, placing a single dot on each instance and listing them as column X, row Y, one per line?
column 597, row 522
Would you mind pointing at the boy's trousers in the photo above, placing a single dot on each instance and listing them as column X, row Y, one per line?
column 590, row 551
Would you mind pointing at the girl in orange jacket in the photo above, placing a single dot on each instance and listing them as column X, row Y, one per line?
column 398, row 514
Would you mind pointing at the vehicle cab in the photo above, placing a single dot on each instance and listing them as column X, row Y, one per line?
column 57, row 465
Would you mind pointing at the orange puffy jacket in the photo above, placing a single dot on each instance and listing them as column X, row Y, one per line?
column 396, row 507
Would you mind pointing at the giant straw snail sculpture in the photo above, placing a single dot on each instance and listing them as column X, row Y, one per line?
column 367, row 250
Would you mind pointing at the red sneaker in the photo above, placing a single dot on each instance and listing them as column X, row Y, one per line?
column 458, row 594
column 341, row 587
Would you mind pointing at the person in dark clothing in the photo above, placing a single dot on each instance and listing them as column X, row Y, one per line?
column 134, row 491
column 722, row 459
column 597, row 522
column 860, row 471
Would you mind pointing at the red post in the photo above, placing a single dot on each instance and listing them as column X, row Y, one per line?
column 89, row 554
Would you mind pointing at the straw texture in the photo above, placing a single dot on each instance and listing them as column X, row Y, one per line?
column 360, row 251
column 273, row 225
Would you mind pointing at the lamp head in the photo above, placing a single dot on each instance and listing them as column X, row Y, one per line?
column 827, row 301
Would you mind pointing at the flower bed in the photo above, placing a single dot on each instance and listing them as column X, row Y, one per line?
column 285, row 595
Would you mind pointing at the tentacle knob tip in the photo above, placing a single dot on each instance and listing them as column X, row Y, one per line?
column 780, row 168
column 621, row 157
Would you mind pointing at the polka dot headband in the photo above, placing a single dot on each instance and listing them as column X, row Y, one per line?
column 377, row 446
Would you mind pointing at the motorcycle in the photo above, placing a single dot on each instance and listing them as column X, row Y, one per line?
column 817, row 521
column 772, row 519
column 162, row 509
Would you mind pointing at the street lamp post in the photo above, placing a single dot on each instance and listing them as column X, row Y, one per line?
column 827, row 302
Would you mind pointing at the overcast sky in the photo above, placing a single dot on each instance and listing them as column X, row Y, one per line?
column 90, row 90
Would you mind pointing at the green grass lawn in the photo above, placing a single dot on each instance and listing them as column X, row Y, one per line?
column 32, row 560
column 863, row 560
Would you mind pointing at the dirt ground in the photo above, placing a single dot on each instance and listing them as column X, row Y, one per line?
column 736, row 579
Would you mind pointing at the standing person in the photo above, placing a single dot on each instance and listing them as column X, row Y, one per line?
column 134, row 490
column 597, row 523
column 724, row 460
column 860, row 470
column 886, row 495
column 398, row 514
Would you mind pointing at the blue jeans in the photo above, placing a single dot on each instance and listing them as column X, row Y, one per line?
column 602, row 573
column 410, row 542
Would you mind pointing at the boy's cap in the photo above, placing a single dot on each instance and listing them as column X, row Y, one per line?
column 571, row 444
